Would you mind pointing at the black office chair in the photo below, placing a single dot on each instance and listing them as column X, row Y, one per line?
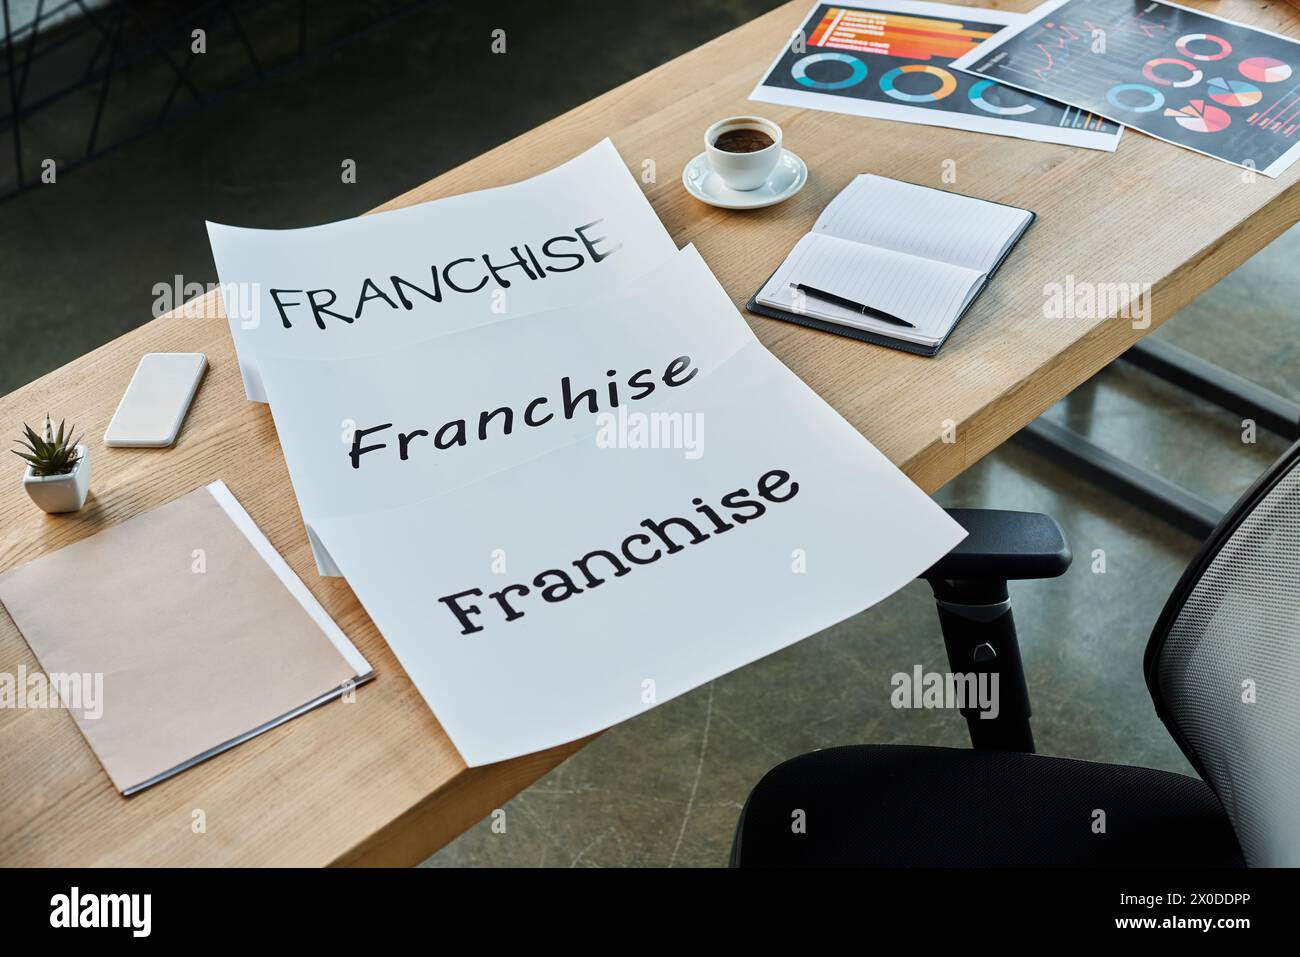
column 1222, row 666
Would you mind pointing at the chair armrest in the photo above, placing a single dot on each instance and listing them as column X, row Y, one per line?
column 1002, row 545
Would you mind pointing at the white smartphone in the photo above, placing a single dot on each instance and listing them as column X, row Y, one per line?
column 154, row 406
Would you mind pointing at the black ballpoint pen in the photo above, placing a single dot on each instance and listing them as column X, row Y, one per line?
column 867, row 311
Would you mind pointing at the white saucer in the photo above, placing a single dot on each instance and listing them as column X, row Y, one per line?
column 706, row 186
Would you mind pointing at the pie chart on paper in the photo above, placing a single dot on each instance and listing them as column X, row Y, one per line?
column 1264, row 69
column 1233, row 92
column 1199, row 117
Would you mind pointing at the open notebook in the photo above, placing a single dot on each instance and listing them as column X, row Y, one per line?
column 885, row 250
column 178, row 634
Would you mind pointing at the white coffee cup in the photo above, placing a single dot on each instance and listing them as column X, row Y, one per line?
column 743, row 171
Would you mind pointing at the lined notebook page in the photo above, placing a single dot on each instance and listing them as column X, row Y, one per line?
column 922, row 221
column 926, row 293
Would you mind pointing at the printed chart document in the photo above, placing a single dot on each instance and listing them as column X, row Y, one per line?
column 387, row 280
column 1193, row 79
column 459, row 395
column 892, row 60
column 598, row 508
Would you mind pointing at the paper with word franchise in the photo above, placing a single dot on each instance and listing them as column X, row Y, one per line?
column 559, row 521
column 891, row 59
column 330, row 410
column 1210, row 85
column 387, row 280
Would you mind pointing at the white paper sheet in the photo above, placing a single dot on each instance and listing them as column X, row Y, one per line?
column 856, row 58
column 580, row 229
column 841, row 530
column 323, row 408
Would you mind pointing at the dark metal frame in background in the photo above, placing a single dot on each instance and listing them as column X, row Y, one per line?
column 1158, row 495
column 125, row 34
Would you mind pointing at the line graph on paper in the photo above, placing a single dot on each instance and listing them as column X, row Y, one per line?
column 1217, row 87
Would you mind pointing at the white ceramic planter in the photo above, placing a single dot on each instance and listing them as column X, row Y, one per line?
column 61, row 493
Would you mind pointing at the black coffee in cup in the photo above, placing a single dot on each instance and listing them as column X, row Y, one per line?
column 743, row 140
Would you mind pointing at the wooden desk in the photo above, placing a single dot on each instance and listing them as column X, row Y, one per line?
column 378, row 781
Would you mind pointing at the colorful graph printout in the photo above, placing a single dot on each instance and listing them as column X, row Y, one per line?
column 1217, row 87
column 891, row 59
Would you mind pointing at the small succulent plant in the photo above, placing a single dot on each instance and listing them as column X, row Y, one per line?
column 55, row 454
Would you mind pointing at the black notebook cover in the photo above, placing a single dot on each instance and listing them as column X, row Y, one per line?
column 862, row 335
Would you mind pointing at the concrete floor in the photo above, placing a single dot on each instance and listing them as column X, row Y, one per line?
column 80, row 259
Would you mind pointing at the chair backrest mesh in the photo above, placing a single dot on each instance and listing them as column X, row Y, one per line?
column 1224, row 665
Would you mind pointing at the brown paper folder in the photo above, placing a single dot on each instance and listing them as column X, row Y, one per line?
column 202, row 634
